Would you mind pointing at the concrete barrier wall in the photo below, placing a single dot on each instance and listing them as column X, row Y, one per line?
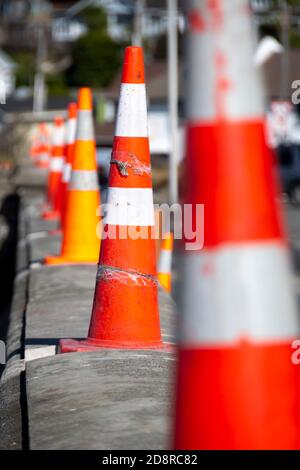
column 99, row 400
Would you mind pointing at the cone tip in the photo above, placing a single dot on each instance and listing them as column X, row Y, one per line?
column 72, row 110
column 85, row 99
column 133, row 66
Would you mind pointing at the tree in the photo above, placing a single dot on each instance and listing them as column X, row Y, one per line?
column 25, row 64
column 95, row 19
column 95, row 56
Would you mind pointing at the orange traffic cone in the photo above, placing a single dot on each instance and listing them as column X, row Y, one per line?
column 237, row 387
column 80, row 241
column 165, row 262
column 55, row 170
column 39, row 149
column 34, row 149
column 125, row 310
column 70, row 144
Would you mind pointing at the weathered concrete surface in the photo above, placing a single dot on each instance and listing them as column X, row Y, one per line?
column 11, row 380
column 22, row 256
column 10, row 410
column 42, row 244
column 60, row 303
column 12, row 383
column 16, row 320
column 107, row 400
column 10, row 406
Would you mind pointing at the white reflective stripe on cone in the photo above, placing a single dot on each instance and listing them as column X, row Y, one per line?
column 132, row 111
column 129, row 206
column 71, row 131
column 85, row 126
column 237, row 292
column 66, row 175
column 224, row 87
column 56, row 164
column 84, row 180
column 165, row 262
column 58, row 136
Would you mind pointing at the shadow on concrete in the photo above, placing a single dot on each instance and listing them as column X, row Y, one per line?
column 10, row 211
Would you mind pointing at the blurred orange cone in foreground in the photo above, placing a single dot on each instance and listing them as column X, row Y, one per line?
column 237, row 386
column 55, row 169
column 80, row 241
column 125, row 310
column 165, row 262
column 70, row 144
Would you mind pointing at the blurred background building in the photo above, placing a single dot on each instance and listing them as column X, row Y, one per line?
column 50, row 48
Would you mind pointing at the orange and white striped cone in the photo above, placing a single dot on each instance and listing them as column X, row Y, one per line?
column 43, row 147
column 164, row 274
column 55, row 169
column 237, row 387
column 80, row 244
column 34, row 149
column 70, row 144
column 125, row 310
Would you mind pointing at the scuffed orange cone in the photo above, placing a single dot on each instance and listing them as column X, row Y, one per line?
column 125, row 310
column 165, row 262
column 55, row 170
column 67, row 169
column 81, row 244
column 237, row 388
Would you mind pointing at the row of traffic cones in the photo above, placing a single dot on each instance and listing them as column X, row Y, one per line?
column 76, row 195
column 126, row 279
column 74, row 198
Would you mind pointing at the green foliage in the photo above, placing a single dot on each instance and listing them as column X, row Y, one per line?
column 57, row 85
column 96, row 58
column 95, row 19
column 294, row 3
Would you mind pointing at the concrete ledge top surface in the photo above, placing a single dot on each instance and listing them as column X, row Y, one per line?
column 60, row 304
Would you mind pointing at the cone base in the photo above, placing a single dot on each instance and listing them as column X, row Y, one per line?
column 88, row 345
column 50, row 215
column 60, row 260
